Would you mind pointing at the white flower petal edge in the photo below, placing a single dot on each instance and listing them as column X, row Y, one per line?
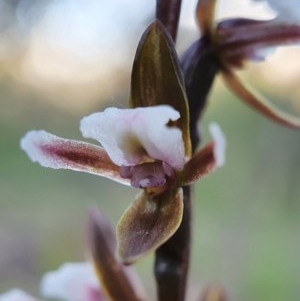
column 31, row 143
column 71, row 282
column 133, row 136
column 220, row 143
column 288, row 10
column 16, row 295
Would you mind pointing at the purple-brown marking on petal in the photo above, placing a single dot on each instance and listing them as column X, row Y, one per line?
column 58, row 153
column 151, row 174
column 206, row 159
column 201, row 164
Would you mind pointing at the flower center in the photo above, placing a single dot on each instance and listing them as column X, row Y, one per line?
column 147, row 175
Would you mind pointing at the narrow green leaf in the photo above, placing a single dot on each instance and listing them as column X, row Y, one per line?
column 157, row 79
column 148, row 223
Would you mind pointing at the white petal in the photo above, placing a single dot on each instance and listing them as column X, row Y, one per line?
column 55, row 152
column 288, row 10
column 16, row 295
column 261, row 54
column 31, row 143
column 220, row 144
column 160, row 141
column 71, row 282
column 131, row 135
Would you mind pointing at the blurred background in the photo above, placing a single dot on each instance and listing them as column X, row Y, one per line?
column 62, row 60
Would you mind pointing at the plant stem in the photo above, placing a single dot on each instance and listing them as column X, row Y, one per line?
column 199, row 67
column 172, row 258
column 168, row 12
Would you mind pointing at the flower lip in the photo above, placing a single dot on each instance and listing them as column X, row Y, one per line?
column 147, row 175
column 135, row 136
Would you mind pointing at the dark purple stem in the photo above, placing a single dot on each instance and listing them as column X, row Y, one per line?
column 168, row 12
column 199, row 68
column 172, row 258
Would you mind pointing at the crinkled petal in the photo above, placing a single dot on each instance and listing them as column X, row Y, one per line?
column 206, row 159
column 55, row 152
column 132, row 136
column 16, row 295
column 72, row 282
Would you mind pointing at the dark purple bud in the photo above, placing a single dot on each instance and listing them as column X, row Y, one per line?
column 200, row 66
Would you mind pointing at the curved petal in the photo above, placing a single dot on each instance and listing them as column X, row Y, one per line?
column 206, row 159
column 16, row 295
column 241, row 39
column 55, row 152
column 131, row 136
column 72, row 282
column 126, row 285
column 148, row 223
column 258, row 102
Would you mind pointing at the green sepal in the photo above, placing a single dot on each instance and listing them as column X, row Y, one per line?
column 156, row 77
column 148, row 223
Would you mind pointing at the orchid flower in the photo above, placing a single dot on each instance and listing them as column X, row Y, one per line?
column 138, row 147
column 71, row 282
column 232, row 42
column 146, row 146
